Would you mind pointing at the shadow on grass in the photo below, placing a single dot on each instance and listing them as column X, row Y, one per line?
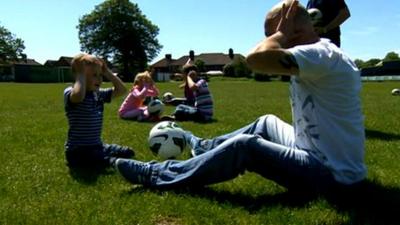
column 207, row 122
column 367, row 203
column 380, row 135
column 87, row 176
column 177, row 121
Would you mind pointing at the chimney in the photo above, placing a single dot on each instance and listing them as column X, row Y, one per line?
column 231, row 54
column 191, row 55
column 168, row 57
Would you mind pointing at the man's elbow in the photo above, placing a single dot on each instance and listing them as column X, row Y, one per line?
column 255, row 64
column 251, row 61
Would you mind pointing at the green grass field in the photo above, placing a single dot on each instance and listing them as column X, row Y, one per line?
column 37, row 188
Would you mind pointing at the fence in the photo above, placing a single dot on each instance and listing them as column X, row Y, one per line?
column 380, row 78
column 6, row 73
column 42, row 74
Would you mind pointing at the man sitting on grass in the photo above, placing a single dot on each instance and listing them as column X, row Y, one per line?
column 324, row 147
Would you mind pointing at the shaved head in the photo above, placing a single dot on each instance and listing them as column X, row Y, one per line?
column 273, row 17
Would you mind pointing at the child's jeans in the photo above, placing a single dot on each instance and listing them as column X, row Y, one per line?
column 180, row 101
column 95, row 156
column 188, row 113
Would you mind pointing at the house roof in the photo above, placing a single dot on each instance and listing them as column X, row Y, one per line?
column 65, row 60
column 208, row 59
column 162, row 63
column 31, row 62
column 51, row 63
column 215, row 58
column 62, row 61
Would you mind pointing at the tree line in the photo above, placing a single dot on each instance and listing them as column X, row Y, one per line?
column 115, row 30
column 391, row 56
column 120, row 33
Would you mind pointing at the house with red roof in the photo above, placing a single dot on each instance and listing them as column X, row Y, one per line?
column 213, row 63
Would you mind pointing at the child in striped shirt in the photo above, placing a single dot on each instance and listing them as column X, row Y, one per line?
column 202, row 111
column 84, row 106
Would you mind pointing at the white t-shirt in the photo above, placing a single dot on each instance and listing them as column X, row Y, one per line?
column 326, row 109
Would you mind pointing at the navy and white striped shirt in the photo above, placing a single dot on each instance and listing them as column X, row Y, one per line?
column 204, row 101
column 85, row 119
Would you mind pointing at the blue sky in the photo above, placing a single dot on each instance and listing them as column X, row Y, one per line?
column 48, row 27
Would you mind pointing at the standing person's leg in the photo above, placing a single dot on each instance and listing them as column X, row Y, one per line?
column 336, row 41
column 269, row 127
column 287, row 166
column 333, row 37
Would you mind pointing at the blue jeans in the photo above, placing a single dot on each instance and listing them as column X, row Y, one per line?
column 265, row 146
column 185, row 112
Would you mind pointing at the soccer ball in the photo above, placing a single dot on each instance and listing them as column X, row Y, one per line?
column 155, row 107
column 396, row 91
column 167, row 140
column 168, row 96
column 316, row 15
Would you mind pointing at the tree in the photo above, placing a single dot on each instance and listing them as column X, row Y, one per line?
column 229, row 70
column 369, row 63
column 237, row 68
column 118, row 31
column 391, row 56
column 11, row 47
column 359, row 63
column 200, row 65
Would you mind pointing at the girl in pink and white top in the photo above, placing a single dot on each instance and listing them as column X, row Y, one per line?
column 133, row 107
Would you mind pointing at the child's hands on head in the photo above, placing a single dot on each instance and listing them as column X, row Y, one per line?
column 91, row 68
column 84, row 64
column 92, row 65
column 148, row 80
column 143, row 80
column 77, row 64
column 105, row 69
column 192, row 74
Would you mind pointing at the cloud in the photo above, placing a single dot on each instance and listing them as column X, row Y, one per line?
column 367, row 31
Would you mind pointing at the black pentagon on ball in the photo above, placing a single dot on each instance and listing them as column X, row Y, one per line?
column 179, row 142
column 155, row 148
column 167, row 126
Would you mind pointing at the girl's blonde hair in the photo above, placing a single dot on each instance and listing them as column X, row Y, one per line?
column 141, row 77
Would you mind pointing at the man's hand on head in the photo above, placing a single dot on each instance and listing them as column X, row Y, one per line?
column 286, row 25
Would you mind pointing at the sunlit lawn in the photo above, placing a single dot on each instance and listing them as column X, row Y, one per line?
column 37, row 188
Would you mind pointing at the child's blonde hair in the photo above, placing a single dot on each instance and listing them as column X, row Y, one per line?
column 84, row 59
column 141, row 77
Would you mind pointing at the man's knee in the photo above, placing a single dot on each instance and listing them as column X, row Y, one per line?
column 268, row 118
column 244, row 141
